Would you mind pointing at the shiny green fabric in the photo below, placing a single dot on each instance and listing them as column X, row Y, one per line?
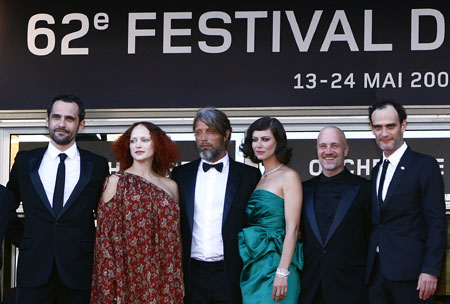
column 260, row 247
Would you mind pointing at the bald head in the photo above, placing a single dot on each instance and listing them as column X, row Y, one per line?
column 332, row 149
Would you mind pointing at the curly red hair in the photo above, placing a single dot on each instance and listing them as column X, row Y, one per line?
column 166, row 152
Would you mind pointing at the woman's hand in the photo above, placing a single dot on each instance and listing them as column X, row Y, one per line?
column 279, row 291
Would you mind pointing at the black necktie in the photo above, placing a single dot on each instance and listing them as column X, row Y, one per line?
column 380, row 185
column 58, row 195
column 207, row 166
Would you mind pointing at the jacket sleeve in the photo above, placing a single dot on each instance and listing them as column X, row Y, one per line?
column 433, row 206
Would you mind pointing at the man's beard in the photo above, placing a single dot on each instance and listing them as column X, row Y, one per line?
column 62, row 141
column 211, row 154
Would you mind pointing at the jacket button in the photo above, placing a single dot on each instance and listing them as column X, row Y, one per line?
column 324, row 251
column 56, row 224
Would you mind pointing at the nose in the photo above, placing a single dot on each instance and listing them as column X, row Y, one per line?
column 61, row 123
column 203, row 137
column 384, row 132
column 328, row 149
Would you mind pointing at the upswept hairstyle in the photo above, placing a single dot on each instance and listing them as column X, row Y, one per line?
column 282, row 152
column 69, row 98
column 383, row 104
column 216, row 120
column 166, row 152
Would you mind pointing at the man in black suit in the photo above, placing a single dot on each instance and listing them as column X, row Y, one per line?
column 335, row 227
column 59, row 186
column 6, row 213
column 408, row 239
column 214, row 192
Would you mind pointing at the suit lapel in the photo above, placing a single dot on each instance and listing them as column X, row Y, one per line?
column 34, row 164
column 310, row 213
column 232, row 187
column 348, row 196
column 86, row 169
column 399, row 173
column 191, row 180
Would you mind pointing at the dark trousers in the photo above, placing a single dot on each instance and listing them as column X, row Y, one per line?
column 384, row 291
column 318, row 298
column 53, row 292
column 208, row 283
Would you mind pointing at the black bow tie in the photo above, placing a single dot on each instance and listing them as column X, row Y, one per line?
column 207, row 166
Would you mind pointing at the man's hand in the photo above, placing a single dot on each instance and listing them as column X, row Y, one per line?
column 426, row 285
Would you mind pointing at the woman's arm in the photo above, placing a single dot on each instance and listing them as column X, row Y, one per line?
column 293, row 196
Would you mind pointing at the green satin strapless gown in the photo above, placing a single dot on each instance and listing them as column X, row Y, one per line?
column 260, row 247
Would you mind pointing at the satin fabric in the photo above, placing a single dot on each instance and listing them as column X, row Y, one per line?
column 260, row 247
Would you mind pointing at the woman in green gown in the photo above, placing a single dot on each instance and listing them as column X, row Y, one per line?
column 269, row 246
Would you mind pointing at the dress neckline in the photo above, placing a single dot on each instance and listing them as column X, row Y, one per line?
column 270, row 192
column 150, row 183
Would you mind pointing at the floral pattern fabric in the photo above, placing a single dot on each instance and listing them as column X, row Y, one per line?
column 138, row 250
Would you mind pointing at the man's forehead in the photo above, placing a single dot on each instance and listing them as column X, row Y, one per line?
column 204, row 124
column 65, row 108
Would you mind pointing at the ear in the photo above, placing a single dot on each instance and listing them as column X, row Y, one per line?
column 346, row 149
column 403, row 126
column 46, row 121
column 227, row 135
column 81, row 125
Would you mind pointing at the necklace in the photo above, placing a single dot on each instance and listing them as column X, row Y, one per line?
column 272, row 171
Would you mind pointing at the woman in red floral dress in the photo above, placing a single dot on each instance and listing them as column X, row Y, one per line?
column 137, row 250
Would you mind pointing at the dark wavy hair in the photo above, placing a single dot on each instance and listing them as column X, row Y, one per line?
column 166, row 152
column 282, row 151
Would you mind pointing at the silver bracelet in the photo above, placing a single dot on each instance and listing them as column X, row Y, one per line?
column 282, row 273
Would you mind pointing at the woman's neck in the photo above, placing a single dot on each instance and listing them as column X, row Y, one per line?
column 143, row 169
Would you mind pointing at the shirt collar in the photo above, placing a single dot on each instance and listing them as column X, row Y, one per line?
column 335, row 179
column 395, row 157
column 54, row 152
column 225, row 160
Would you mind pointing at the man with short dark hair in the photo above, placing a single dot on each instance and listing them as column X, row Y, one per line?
column 408, row 239
column 59, row 186
column 214, row 191
column 335, row 227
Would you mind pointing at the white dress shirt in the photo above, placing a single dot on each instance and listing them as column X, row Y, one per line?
column 394, row 159
column 49, row 167
column 210, row 188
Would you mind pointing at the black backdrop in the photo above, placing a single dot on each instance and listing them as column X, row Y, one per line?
column 326, row 53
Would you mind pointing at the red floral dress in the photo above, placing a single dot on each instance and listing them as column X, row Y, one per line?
column 137, row 250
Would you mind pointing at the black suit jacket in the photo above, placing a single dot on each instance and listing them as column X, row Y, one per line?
column 66, row 240
column 242, row 180
column 7, row 209
column 411, row 227
column 339, row 262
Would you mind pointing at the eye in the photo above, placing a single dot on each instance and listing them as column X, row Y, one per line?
column 254, row 139
column 266, row 139
column 132, row 141
column 145, row 139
